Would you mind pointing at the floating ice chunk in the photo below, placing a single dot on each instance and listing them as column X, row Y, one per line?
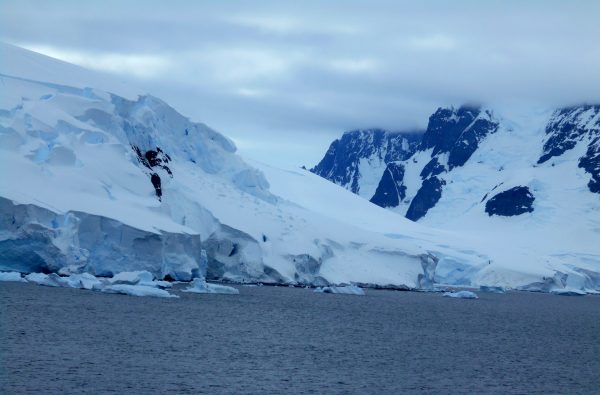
column 137, row 290
column 133, row 278
column 461, row 295
column 11, row 276
column 84, row 281
column 49, row 280
column 568, row 292
column 492, row 289
column 200, row 286
column 162, row 284
column 347, row 290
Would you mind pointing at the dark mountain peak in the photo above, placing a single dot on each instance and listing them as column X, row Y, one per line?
column 341, row 161
column 457, row 131
column 569, row 125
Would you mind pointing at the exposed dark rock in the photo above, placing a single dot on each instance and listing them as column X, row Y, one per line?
column 591, row 163
column 151, row 160
column 340, row 163
column 426, row 198
column 468, row 142
column 445, row 126
column 456, row 132
column 432, row 168
column 155, row 179
column 567, row 127
column 391, row 190
column 514, row 201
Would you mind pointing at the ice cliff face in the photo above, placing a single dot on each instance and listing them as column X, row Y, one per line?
column 35, row 239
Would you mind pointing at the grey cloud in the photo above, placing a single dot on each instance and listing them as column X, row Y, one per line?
column 279, row 71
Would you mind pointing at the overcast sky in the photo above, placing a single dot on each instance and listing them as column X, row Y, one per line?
column 283, row 79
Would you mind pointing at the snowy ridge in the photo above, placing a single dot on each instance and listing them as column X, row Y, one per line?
column 163, row 189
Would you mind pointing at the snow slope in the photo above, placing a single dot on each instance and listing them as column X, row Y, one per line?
column 96, row 178
column 99, row 182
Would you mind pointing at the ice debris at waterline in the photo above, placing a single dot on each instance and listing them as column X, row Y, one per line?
column 11, row 276
column 345, row 290
column 137, row 290
column 492, row 289
column 461, row 295
column 139, row 283
column 200, row 286
column 568, row 292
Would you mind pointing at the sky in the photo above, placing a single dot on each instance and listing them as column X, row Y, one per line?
column 285, row 78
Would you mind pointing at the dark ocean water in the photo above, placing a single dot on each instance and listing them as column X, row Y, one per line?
column 284, row 340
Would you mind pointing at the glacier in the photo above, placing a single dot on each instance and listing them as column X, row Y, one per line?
column 104, row 181
column 99, row 178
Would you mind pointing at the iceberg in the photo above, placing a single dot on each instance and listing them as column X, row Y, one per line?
column 49, row 280
column 83, row 281
column 568, row 292
column 137, row 290
column 461, row 295
column 12, row 276
column 142, row 277
column 344, row 290
column 200, row 286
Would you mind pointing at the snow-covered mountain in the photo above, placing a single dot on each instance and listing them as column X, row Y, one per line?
column 508, row 181
column 360, row 154
column 98, row 177
column 414, row 181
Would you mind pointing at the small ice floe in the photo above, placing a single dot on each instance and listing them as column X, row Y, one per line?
column 345, row 290
column 128, row 283
column 49, row 280
column 200, row 286
column 137, row 290
column 568, row 292
column 83, row 281
column 12, row 276
column 461, row 295
column 132, row 278
column 492, row 289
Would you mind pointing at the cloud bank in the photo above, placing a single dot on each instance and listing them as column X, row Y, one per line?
column 283, row 79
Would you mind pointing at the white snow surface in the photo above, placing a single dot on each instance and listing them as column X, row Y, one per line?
column 66, row 159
